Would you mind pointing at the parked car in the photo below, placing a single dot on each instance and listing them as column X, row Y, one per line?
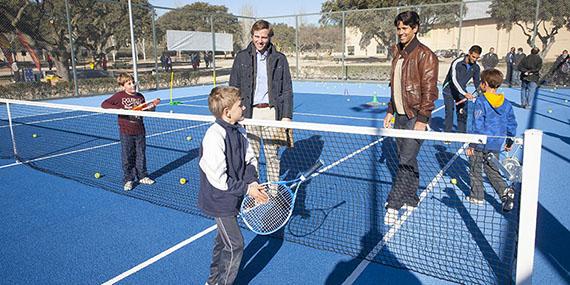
column 447, row 53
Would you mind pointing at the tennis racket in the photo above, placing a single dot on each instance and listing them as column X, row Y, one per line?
column 147, row 105
column 475, row 95
column 266, row 218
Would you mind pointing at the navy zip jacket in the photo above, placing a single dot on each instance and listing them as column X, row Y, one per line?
column 496, row 120
column 227, row 166
column 459, row 74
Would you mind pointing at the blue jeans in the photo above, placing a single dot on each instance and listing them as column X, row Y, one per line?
column 133, row 155
column 528, row 89
column 407, row 180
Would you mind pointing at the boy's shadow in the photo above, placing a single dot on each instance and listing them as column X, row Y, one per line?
column 261, row 249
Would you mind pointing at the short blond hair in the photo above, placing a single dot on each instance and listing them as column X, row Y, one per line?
column 222, row 97
column 124, row 78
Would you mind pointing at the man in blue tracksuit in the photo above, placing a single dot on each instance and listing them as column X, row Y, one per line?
column 493, row 116
column 460, row 72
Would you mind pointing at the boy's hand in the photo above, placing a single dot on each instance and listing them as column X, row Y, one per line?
column 257, row 191
column 388, row 121
column 470, row 151
column 420, row 126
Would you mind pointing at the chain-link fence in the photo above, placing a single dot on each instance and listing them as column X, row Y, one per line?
column 64, row 47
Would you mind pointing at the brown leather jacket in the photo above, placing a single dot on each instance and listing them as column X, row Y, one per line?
column 419, row 80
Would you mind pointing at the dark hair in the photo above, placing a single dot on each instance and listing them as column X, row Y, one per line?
column 493, row 77
column 408, row 18
column 476, row 49
column 520, row 49
column 534, row 50
column 262, row 25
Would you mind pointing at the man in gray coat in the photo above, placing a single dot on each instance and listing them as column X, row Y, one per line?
column 530, row 74
column 263, row 77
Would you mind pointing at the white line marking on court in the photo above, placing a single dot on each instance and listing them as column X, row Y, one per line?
column 96, row 147
column 160, row 256
column 392, row 232
column 194, row 100
column 192, row 105
column 50, row 120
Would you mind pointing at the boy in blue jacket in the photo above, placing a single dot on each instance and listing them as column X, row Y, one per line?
column 492, row 116
column 228, row 170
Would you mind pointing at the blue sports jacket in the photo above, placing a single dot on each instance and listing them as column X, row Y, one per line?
column 493, row 116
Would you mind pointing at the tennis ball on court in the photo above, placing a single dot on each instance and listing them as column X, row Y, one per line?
column 34, row 136
column 393, row 120
column 549, row 111
column 170, row 111
column 189, row 138
column 348, row 100
column 565, row 100
column 183, row 181
column 453, row 181
column 97, row 175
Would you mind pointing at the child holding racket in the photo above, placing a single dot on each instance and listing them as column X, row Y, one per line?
column 228, row 171
column 493, row 116
column 132, row 132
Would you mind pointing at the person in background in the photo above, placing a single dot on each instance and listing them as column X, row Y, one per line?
column 460, row 72
column 132, row 132
column 516, row 73
column 510, row 59
column 490, row 59
column 263, row 77
column 530, row 68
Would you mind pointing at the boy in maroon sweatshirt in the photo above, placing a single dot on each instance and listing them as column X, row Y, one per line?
column 132, row 132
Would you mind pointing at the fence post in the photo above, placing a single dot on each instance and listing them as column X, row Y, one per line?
column 155, row 48
column 133, row 46
column 461, row 11
column 297, row 45
column 534, row 31
column 73, row 67
column 344, row 71
column 213, row 50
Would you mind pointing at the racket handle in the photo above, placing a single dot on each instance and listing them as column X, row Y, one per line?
column 312, row 170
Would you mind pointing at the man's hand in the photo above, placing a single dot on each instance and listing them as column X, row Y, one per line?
column 469, row 151
column 388, row 120
column 257, row 191
column 469, row 96
column 419, row 126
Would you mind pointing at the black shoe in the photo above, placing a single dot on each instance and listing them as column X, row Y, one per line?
column 508, row 199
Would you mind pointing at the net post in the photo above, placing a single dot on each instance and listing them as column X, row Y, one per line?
column 12, row 131
column 528, row 205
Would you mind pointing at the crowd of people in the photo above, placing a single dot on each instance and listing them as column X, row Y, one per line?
column 260, row 87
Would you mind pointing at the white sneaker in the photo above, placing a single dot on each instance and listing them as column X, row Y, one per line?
column 146, row 181
column 128, row 186
column 474, row 201
column 391, row 217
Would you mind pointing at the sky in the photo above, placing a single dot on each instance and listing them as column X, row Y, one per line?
column 260, row 8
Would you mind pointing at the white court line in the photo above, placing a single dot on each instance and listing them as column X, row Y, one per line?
column 50, row 120
column 159, row 256
column 339, row 117
column 96, row 147
column 194, row 100
column 392, row 232
column 43, row 114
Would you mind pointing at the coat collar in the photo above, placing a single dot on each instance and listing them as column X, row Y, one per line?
column 410, row 47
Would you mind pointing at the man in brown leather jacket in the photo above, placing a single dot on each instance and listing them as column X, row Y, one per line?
column 413, row 91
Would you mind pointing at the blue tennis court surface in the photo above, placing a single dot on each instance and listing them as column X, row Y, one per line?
column 60, row 230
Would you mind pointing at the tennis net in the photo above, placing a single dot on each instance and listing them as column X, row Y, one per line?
column 341, row 209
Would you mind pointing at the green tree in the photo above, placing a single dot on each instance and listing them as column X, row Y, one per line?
column 284, row 37
column 196, row 17
column 553, row 16
column 98, row 27
column 378, row 25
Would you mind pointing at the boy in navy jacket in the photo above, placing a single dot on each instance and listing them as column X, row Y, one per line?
column 493, row 116
column 228, row 171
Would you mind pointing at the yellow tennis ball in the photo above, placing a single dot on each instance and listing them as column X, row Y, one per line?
column 183, row 181
column 189, row 138
column 34, row 136
column 549, row 111
column 97, row 175
column 393, row 120
column 453, row 181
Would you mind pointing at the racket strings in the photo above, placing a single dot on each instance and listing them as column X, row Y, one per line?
column 270, row 216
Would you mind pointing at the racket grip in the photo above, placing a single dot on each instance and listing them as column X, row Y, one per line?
column 313, row 169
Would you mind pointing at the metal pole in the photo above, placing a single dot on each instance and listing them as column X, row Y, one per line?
column 535, row 23
column 297, row 46
column 213, row 49
column 344, row 72
column 73, row 67
column 154, row 48
column 133, row 45
column 460, row 27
